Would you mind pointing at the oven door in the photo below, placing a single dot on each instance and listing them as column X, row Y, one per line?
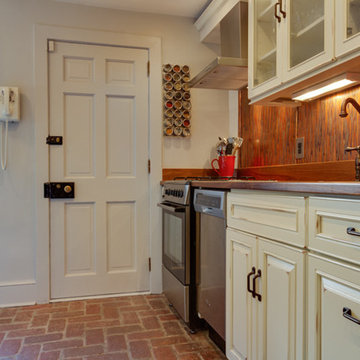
column 176, row 240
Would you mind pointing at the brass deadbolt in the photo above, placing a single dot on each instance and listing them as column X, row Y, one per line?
column 67, row 189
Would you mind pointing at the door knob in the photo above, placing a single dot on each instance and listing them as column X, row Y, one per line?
column 67, row 189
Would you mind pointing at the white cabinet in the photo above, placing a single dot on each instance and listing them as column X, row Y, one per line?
column 287, row 39
column 265, row 294
column 333, row 310
column 347, row 26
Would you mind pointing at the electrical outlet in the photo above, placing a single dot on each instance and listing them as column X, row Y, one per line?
column 299, row 151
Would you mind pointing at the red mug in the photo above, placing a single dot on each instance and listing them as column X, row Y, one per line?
column 226, row 165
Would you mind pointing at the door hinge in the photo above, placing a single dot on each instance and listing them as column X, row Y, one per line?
column 148, row 68
column 51, row 46
column 149, row 166
column 149, row 264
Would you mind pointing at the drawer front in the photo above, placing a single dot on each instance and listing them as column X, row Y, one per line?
column 275, row 217
column 333, row 310
column 329, row 221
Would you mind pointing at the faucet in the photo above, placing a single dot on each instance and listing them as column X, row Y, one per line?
column 357, row 160
column 352, row 101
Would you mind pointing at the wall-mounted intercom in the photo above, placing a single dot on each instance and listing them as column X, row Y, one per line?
column 9, row 112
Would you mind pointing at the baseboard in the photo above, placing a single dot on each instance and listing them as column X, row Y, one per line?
column 17, row 294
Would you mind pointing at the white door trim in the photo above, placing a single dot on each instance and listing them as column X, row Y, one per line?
column 42, row 34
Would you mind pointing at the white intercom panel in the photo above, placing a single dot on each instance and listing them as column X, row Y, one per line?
column 9, row 104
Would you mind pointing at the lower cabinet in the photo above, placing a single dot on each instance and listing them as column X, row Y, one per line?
column 265, row 299
column 333, row 310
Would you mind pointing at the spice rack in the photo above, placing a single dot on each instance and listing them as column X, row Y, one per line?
column 177, row 100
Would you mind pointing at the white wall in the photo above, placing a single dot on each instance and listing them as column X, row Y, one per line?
column 17, row 201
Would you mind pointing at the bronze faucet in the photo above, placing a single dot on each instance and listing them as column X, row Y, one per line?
column 353, row 102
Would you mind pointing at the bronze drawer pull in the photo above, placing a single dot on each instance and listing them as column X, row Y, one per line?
column 352, row 231
column 248, row 280
column 347, row 315
column 255, row 294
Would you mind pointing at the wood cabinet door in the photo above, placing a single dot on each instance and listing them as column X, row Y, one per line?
column 281, row 311
column 347, row 26
column 240, row 258
column 333, row 310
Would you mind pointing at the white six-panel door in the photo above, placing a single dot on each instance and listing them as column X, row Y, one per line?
column 99, row 104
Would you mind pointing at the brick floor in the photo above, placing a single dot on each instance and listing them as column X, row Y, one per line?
column 119, row 328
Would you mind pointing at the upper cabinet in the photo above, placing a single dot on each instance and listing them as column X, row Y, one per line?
column 287, row 40
column 293, row 40
column 347, row 36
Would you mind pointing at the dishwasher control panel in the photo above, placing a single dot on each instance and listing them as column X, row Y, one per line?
column 210, row 202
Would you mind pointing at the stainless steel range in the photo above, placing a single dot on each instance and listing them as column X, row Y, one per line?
column 178, row 243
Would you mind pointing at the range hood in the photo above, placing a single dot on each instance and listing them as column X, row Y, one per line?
column 230, row 70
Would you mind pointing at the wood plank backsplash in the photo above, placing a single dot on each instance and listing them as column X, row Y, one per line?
column 270, row 133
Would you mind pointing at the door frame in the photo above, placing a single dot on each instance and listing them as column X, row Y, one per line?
column 43, row 33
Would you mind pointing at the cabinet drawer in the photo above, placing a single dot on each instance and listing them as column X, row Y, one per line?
column 277, row 217
column 333, row 310
column 329, row 220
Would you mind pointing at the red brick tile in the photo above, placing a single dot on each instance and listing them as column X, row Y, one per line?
column 211, row 355
column 110, row 313
column 75, row 330
column 40, row 320
column 154, row 312
column 151, row 322
column 2, row 335
column 113, row 356
column 116, row 343
column 81, row 319
column 76, row 305
column 25, row 332
column 150, row 334
column 92, row 309
column 10, row 347
column 6, row 320
column 29, row 352
column 164, row 353
column 43, row 338
column 94, row 336
column 56, row 325
column 136, row 308
column 9, row 327
column 130, row 318
column 189, row 357
column 72, row 314
column 168, row 317
column 140, row 350
column 51, row 310
column 63, row 344
column 188, row 347
column 157, row 304
column 23, row 316
column 173, row 328
column 83, row 351
column 10, row 312
column 126, row 329
column 169, row 340
column 102, row 323
column 50, row 355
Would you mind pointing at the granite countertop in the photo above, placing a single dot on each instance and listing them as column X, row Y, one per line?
column 331, row 188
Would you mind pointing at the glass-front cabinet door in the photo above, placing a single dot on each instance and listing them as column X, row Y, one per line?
column 309, row 35
column 347, row 26
column 263, row 46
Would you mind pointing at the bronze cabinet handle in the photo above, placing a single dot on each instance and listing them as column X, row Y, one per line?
column 248, row 280
column 275, row 12
column 351, row 231
column 347, row 315
column 281, row 9
column 254, row 293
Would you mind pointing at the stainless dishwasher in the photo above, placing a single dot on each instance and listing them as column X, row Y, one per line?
column 210, row 207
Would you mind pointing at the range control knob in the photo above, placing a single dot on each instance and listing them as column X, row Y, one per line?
column 181, row 193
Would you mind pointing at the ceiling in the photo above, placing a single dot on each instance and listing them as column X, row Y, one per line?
column 188, row 8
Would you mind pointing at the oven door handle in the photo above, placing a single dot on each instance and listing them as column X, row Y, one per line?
column 171, row 208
